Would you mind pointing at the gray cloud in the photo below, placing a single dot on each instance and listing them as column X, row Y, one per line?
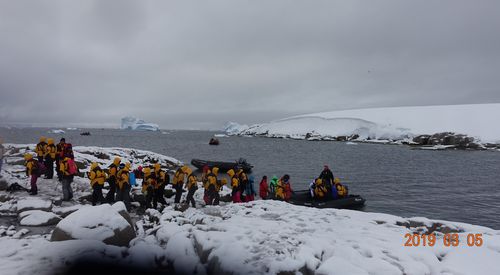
column 195, row 64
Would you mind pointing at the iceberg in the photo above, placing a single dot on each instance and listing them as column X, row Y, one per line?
column 132, row 123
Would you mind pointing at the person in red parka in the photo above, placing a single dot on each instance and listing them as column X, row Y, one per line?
column 264, row 188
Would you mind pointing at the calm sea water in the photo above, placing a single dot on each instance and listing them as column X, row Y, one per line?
column 451, row 185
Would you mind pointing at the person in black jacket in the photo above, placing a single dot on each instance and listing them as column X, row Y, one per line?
column 327, row 177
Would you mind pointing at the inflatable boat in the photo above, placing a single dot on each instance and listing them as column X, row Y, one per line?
column 303, row 198
column 223, row 166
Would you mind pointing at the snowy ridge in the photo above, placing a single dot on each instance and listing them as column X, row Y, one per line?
column 397, row 123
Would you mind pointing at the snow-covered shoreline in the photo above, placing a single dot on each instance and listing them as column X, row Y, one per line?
column 261, row 237
column 454, row 126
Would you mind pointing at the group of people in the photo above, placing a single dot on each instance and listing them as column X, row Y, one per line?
column 278, row 188
column 120, row 178
column 48, row 157
column 326, row 186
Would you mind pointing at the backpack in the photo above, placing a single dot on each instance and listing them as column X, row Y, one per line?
column 72, row 168
column 131, row 179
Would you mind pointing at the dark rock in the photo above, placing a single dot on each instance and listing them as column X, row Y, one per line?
column 353, row 137
column 341, row 138
column 3, row 185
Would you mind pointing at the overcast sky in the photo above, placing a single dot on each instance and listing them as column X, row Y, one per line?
column 199, row 64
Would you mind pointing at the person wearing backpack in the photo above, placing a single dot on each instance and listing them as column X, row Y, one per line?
column 40, row 149
column 162, row 179
column 243, row 181
column 250, row 190
column 32, row 170
column 148, row 183
column 68, row 170
column 191, row 186
column 50, row 156
column 235, row 186
column 97, row 178
column 112, row 170
column 59, row 157
column 123, row 185
column 178, row 182
column 212, row 187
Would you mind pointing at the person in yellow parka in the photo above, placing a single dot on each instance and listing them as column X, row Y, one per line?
column 341, row 190
column 67, row 179
column 112, row 171
column 97, row 177
column 191, row 186
column 33, row 171
column 40, row 149
column 320, row 189
column 50, row 157
column 234, row 179
column 178, row 182
column 212, row 187
column 123, row 185
column 148, row 185
column 162, row 179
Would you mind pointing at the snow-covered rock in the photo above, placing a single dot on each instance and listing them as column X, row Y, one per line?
column 38, row 218
column 33, row 204
column 104, row 223
column 132, row 123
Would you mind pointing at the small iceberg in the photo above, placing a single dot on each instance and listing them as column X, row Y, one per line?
column 56, row 131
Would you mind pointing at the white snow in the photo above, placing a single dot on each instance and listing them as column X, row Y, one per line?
column 93, row 222
column 476, row 120
column 233, row 128
column 37, row 217
column 132, row 123
column 32, row 203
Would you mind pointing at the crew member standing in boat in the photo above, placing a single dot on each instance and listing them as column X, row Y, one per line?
column 327, row 177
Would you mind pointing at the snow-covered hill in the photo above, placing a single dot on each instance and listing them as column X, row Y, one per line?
column 399, row 123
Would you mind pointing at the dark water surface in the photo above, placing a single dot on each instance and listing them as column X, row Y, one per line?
column 450, row 185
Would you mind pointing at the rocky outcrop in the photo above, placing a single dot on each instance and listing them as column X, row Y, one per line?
column 450, row 139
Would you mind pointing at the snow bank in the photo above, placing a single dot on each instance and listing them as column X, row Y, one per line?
column 475, row 120
column 132, row 123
